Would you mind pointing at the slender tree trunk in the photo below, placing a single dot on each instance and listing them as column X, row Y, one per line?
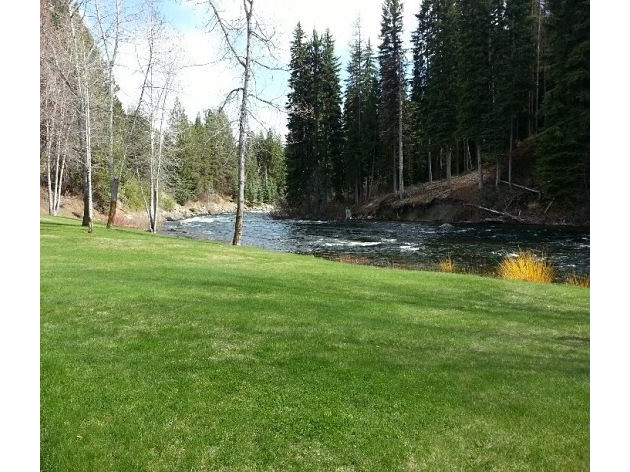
column 83, row 87
column 156, row 205
column 449, row 154
column 538, row 39
column 395, row 179
column 113, row 202
column 87, row 175
column 242, row 130
column 498, row 173
column 457, row 157
column 429, row 161
column 48, row 152
column 110, row 159
column 510, row 153
column 371, row 178
column 401, row 179
column 59, row 174
column 468, row 156
column 58, row 197
column 479, row 166
column 151, row 205
column 56, row 186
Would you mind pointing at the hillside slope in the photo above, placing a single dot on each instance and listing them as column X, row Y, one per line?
column 464, row 202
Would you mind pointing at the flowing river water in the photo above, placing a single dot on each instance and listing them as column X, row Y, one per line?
column 473, row 247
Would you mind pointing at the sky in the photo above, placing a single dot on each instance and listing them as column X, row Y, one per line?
column 204, row 80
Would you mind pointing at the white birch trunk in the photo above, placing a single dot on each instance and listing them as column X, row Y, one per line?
column 242, row 130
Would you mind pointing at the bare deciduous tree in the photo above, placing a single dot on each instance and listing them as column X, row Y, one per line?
column 250, row 28
column 162, row 63
column 109, row 32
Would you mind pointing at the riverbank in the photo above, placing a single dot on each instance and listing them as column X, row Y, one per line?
column 72, row 207
column 521, row 203
column 464, row 202
column 160, row 353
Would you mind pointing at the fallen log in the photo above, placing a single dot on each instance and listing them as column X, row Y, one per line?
column 549, row 206
column 522, row 186
column 497, row 212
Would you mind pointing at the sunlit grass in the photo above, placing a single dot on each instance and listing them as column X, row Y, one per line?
column 167, row 354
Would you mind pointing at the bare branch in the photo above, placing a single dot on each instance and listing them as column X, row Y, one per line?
column 226, row 35
column 228, row 97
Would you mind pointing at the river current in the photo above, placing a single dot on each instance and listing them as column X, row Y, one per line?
column 474, row 247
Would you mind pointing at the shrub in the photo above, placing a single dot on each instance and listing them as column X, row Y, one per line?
column 447, row 264
column 166, row 202
column 526, row 266
column 580, row 281
column 130, row 195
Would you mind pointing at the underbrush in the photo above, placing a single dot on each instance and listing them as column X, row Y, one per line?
column 447, row 264
column 579, row 280
column 526, row 266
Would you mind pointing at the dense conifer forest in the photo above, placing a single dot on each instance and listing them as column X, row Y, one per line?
column 483, row 77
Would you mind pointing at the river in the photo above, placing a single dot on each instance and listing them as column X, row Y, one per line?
column 476, row 248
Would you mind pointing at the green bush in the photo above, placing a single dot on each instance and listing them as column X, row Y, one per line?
column 166, row 202
column 130, row 195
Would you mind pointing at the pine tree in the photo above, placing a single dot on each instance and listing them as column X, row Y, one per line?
column 329, row 145
column 392, row 74
column 315, row 140
column 299, row 124
column 360, row 119
column 511, row 54
column 422, row 43
column 436, row 64
column 474, row 105
column 369, row 131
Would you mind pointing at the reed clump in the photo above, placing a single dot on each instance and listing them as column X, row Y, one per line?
column 579, row 281
column 447, row 264
column 526, row 266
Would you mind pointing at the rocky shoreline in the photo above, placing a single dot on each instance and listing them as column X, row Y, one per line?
column 72, row 207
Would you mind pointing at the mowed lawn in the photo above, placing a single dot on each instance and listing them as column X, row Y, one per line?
column 170, row 354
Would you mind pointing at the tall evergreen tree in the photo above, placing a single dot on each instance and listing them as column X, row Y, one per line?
column 329, row 145
column 512, row 54
column 393, row 91
column 370, row 143
column 314, row 142
column 299, row 124
column 422, row 47
column 474, row 73
column 360, row 119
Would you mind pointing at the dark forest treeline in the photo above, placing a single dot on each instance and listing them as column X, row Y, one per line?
column 484, row 75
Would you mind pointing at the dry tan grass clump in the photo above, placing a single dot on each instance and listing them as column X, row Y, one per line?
column 526, row 266
column 447, row 264
column 352, row 259
column 580, row 281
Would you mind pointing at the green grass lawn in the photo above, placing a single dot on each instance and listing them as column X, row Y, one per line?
column 172, row 354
